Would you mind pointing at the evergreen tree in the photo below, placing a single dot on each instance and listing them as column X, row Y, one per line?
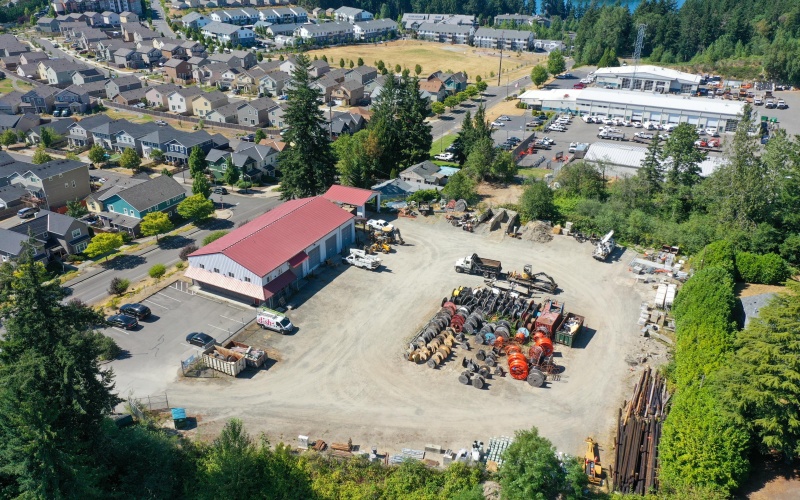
column 358, row 158
column 683, row 157
column 53, row 395
column 415, row 133
column 651, row 172
column 308, row 163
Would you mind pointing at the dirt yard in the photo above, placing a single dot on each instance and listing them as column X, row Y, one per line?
column 434, row 57
column 505, row 108
column 343, row 373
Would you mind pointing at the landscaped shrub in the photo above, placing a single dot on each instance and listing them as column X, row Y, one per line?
column 767, row 269
column 157, row 271
column 717, row 254
column 424, row 195
column 185, row 251
column 118, row 286
column 214, row 237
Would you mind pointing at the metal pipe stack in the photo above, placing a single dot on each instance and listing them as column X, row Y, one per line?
column 638, row 434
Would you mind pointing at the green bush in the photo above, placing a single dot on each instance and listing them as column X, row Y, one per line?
column 718, row 254
column 157, row 271
column 118, row 286
column 214, row 237
column 424, row 195
column 106, row 346
column 768, row 269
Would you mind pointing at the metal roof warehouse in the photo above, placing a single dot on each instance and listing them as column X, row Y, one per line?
column 639, row 106
column 259, row 261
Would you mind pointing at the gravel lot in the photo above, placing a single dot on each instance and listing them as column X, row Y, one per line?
column 343, row 375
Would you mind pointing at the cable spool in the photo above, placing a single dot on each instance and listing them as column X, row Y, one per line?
column 491, row 361
column 546, row 344
column 512, row 348
column 464, row 378
column 489, row 338
column 480, row 339
column 478, row 382
column 522, row 335
column 536, row 378
column 490, row 327
column 505, row 324
column 465, row 345
column 484, row 371
column 499, row 342
column 518, row 366
column 502, row 331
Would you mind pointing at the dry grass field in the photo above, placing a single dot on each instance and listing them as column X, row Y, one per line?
column 435, row 56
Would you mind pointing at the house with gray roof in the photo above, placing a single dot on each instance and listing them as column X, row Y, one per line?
column 39, row 100
column 425, row 174
column 177, row 144
column 255, row 113
column 79, row 133
column 352, row 15
column 326, row 33
column 11, row 102
column 59, row 127
column 274, row 82
column 374, row 29
column 60, row 234
column 95, row 89
column 74, row 98
column 194, row 20
column 51, row 185
column 18, row 122
column 446, row 33
column 86, row 75
column 228, row 113
column 516, row 40
column 125, row 208
column 120, row 84
column 11, row 196
column 10, row 46
column 47, row 25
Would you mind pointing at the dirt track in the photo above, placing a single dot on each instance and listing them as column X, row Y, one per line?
column 343, row 373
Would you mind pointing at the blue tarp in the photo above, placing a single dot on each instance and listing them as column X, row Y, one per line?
column 178, row 413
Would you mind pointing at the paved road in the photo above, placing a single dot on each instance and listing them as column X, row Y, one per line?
column 159, row 20
column 92, row 287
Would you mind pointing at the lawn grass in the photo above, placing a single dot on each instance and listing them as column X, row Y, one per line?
column 536, row 173
column 6, row 86
column 440, row 145
column 128, row 115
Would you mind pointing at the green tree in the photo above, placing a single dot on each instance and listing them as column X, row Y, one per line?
column 481, row 86
column 341, row 62
column 211, row 238
column 40, row 156
column 451, row 102
column 539, row 75
column 307, row 163
column 197, row 207
column 536, row 201
column 480, row 159
column 48, row 136
column 232, row 173
column 157, row 271
column 197, row 161
column 260, row 136
column 200, row 186
column 651, row 171
column 460, row 186
column 504, row 168
column 358, row 158
column 397, row 68
column 437, row 108
column 72, row 156
column 156, row 224
column 9, row 138
column 157, row 155
column 532, row 470
column 130, row 159
column 97, row 154
column 76, row 209
column 556, row 63
column 351, row 64
column 360, row 61
column 417, row 69
column 103, row 243
column 581, row 179
column 682, row 156
column 53, row 394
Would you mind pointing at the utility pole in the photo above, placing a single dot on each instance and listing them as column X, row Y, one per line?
column 500, row 69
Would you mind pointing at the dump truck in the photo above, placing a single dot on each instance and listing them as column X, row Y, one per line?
column 611, row 135
column 362, row 259
column 537, row 281
column 473, row 264
column 569, row 329
column 604, row 247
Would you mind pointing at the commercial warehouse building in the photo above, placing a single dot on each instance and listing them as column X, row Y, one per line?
column 648, row 79
column 619, row 160
column 261, row 261
column 638, row 106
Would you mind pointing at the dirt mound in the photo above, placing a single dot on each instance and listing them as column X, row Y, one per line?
column 538, row 232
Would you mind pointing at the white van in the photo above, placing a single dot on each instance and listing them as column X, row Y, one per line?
column 273, row 320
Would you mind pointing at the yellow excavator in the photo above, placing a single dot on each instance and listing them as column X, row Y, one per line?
column 591, row 463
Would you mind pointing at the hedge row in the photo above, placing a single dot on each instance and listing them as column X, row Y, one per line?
column 766, row 269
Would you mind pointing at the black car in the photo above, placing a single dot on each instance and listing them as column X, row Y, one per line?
column 249, row 138
column 200, row 339
column 220, row 190
column 123, row 321
column 137, row 311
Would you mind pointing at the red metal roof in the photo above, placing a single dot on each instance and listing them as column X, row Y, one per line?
column 279, row 284
column 298, row 259
column 271, row 240
column 350, row 195
column 226, row 283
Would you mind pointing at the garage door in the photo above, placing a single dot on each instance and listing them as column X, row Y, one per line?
column 655, row 117
column 694, row 120
column 347, row 236
column 330, row 247
column 712, row 123
column 674, row 118
column 313, row 258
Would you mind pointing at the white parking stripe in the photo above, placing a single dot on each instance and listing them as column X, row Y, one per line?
column 155, row 304
column 231, row 319
column 168, row 297
column 218, row 328
column 120, row 330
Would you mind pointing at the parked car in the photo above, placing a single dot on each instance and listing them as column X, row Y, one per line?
column 534, row 123
column 123, row 321
column 643, row 135
column 57, row 112
column 555, row 127
column 379, row 224
column 637, row 124
column 66, row 112
column 782, row 104
column 712, row 132
column 445, row 156
column 514, row 140
column 138, row 311
column 249, row 137
column 498, row 124
column 26, row 212
column 770, row 104
column 579, row 86
column 758, row 101
column 504, row 118
column 161, row 123
column 200, row 339
column 220, row 190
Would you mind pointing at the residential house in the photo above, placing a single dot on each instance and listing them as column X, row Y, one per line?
column 32, row 57
column 128, row 58
column 39, row 100
column 453, row 82
column 161, row 194
column 276, row 30
column 206, row 102
column 326, row 33
column 274, row 83
column 247, row 58
column 173, row 51
column 446, row 33
column 255, row 113
column 265, row 158
column 350, row 93
column 276, row 114
column 318, row 68
column 131, row 97
column 88, row 38
column 194, row 49
column 362, row 74
column 375, row 29
column 10, row 46
column 413, row 21
column 228, row 113
column 228, row 60
column 177, row 145
column 150, row 56
column 10, row 63
column 28, row 70
column 217, row 161
column 95, row 89
column 94, row 19
column 133, row 32
column 195, row 62
column 180, row 100
column 60, row 234
column 51, row 185
column 128, row 17
column 325, row 85
column 78, row 133
column 74, row 98
column 58, row 72
column 425, row 175
column 344, row 123
column 86, row 75
column 47, row 25
column 178, row 71
column 11, row 200
column 513, row 20
column 10, row 103
column 121, row 84
column 490, row 38
column 18, row 122
column 95, row 202
column 352, row 15
column 59, row 127
column 434, row 88
column 288, row 66
column 110, row 18
column 284, row 15
column 252, row 159
column 157, row 96
column 195, row 20
column 117, row 135
column 316, row 12
column 225, row 33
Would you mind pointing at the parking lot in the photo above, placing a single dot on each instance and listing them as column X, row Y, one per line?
column 153, row 351
column 343, row 374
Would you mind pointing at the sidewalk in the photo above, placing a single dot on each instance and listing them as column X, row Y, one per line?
column 253, row 192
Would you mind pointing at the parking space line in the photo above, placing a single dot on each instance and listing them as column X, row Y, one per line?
column 231, row 319
column 161, row 294
column 155, row 304
column 120, row 330
column 218, row 328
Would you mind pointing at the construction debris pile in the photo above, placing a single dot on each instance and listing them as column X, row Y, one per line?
column 638, row 434
column 538, row 232
column 508, row 325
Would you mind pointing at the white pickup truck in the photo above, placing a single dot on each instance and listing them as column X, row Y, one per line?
column 360, row 258
column 379, row 225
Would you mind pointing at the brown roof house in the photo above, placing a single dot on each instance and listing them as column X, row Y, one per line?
column 178, row 71
column 350, row 92
column 434, row 88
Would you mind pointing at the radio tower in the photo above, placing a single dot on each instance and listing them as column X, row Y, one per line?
column 637, row 52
